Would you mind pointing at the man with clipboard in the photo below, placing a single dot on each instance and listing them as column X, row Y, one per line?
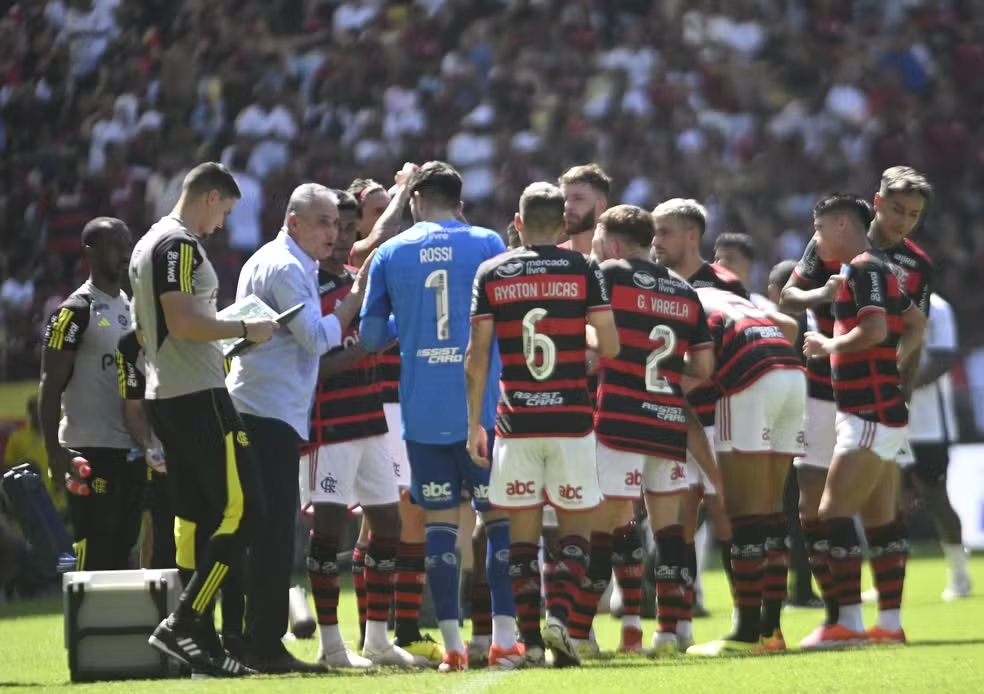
column 272, row 386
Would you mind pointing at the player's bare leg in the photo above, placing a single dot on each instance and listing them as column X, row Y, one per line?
column 888, row 551
column 672, row 574
column 851, row 480
column 359, row 577
column 408, row 591
column 747, row 491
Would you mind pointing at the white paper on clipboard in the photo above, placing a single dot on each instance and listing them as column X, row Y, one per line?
column 244, row 309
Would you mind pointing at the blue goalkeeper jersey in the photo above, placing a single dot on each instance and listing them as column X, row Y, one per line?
column 423, row 278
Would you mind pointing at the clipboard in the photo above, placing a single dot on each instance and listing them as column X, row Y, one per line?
column 242, row 344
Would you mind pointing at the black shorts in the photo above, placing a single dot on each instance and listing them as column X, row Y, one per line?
column 211, row 471
column 106, row 523
column 931, row 461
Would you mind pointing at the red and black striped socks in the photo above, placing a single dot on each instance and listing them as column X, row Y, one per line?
column 627, row 561
column 748, row 568
column 524, row 569
column 408, row 592
column 359, row 583
column 776, row 572
column 670, row 576
column 888, row 548
column 594, row 585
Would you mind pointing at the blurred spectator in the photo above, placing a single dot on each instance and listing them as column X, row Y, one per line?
column 755, row 107
column 25, row 445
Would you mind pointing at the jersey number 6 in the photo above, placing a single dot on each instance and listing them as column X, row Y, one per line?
column 539, row 350
column 666, row 340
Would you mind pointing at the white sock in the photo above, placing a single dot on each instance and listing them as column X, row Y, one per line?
column 850, row 618
column 376, row 634
column 450, row 633
column 591, row 635
column 504, row 631
column 890, row 620
column 331, row 638
column 685, row 629
column 956, row 558
column 632, row 620
column 700, row 545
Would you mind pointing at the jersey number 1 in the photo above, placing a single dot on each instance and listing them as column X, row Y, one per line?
column 438, row 280
column 654, row 382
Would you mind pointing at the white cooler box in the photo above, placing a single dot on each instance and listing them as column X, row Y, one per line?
column 109, row 615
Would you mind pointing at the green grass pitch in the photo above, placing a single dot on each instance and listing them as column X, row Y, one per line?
column 946, row 654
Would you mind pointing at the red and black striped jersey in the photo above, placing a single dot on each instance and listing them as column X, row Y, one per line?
column 659, row 319
column 349, row 405
column 539, row 298
column 592, row 378
column 388, row 373
column 867, row 383
column 914, row 270
column 812, row 272
column 747, row 343
column 704, row 398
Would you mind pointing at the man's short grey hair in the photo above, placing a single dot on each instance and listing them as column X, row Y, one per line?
column 304, row 195
column 688, row 209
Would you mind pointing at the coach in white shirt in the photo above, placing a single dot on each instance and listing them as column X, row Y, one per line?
column 273, row 387
column 932, row 428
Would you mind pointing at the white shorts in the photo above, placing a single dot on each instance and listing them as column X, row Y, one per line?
column 549, row 517
column 395, row 444
column 561, row 471
column 854, row 433
column 820, row 431
column 905, row 457
column 351, row 473
column 696, row 477
column 766, row 417
column 623, row 475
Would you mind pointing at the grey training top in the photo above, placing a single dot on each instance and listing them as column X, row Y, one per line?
column 169, row 258
column 90, row 323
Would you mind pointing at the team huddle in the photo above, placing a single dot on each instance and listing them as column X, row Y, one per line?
column 595, row 375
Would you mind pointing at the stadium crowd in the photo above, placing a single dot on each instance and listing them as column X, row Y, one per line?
column 753, row 107
column 697, row 85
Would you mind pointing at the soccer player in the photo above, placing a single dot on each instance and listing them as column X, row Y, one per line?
column 680, row 226
column 640, row 421
column 877, row 328
column 418, row 292
column 932, row 426
column 736, row 253
column 898, row 206
column 346, row 463
column 81, row 411
column 586, row 189
column 799, row 563
column 758, row 431
column 536, row 303
column 211, row 472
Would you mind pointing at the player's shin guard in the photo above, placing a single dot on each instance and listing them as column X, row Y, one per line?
column 818, row 551
column 359, row 583
column 844, row 558
column 670, row 576
column 748, row 565
column 380, row 567
column 524, row 573
column 499, row 586
column 408, row 593
column 441, row 564
column 568, row 574
column 627, row 556
column 594, row 585
column 776, row 572
column 322, row 568
column 888, row 548
column 691, row 564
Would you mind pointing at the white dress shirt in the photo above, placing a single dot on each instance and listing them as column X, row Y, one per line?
column 277, row 379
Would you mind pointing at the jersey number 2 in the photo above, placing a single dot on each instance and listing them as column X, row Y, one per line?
column 654, row 382
column 438, row 280
column 538, row 349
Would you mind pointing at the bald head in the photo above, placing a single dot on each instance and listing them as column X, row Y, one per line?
column 100, row 226
column 312, row 219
